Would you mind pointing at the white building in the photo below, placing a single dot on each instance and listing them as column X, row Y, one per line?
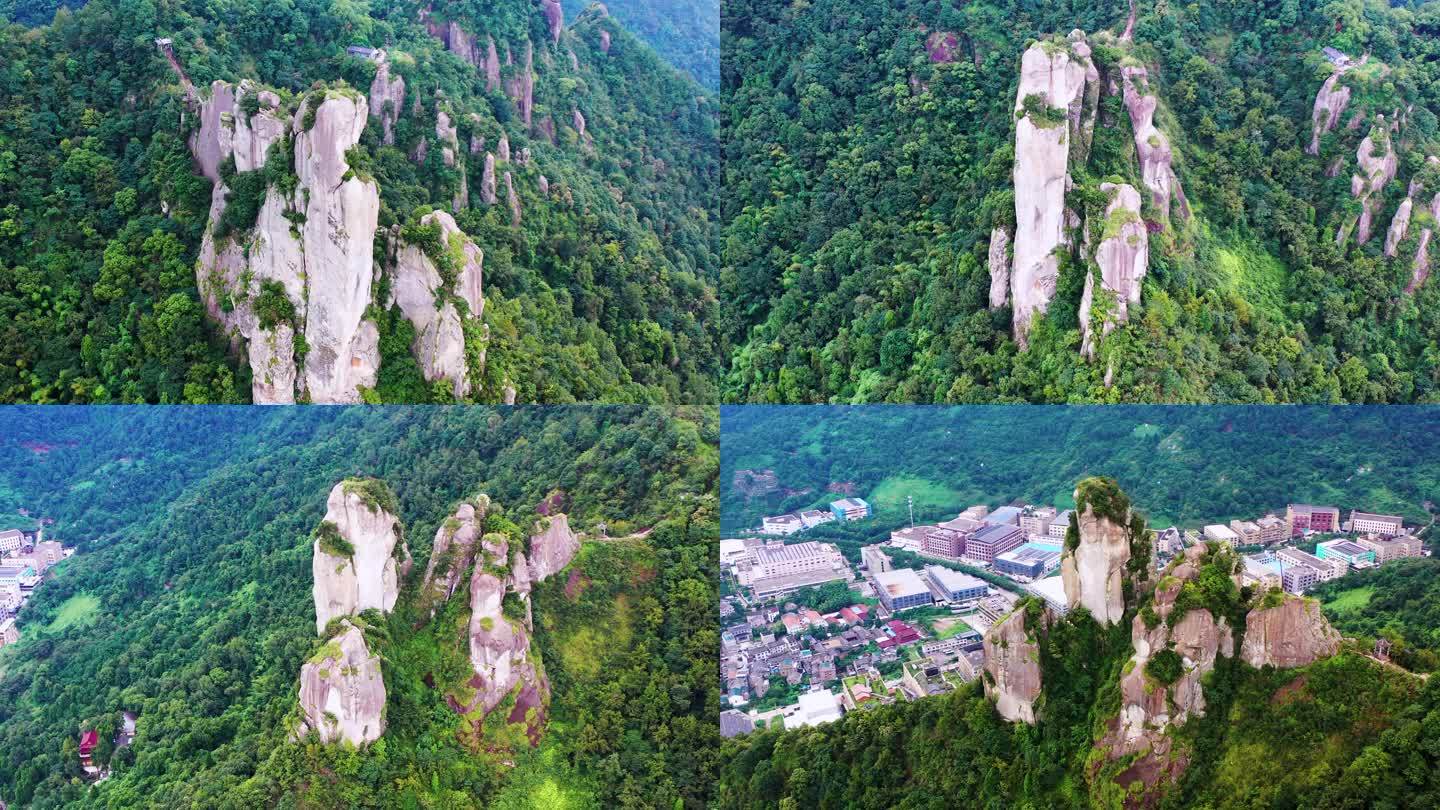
column 1215, row 533
column 874, row 559
column 814, row 708
column 781, row 525
column 10, row 541
column 814, row 517
column 1052, row 590
column 1383, row 525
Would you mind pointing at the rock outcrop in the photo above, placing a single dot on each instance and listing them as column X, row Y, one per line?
column 1291, row 634
column 552, row 546
column 1055, row 111
column 1399, row 224
column 554, row 18
column 1123, row 257
column 342, row 692
column 1377, row 167
column 1149, row 707
column 520, row 87
column 1012, row 667
column 277, row 277
column 1097, row 550
column 453, row 552
column 1151, row 144
column 356, row 565
column 387, row 99
column 999, row 267
column 417, row 286
column 1330, row 104
column 499, row 644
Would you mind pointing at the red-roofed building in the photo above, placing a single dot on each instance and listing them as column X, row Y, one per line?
column 902, row 632
column 88, row 741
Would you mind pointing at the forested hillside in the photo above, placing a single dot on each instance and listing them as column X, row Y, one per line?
column 685, row 32
column 189, row 603
column 879, row 159
column 579, row 169
column 1192, row 465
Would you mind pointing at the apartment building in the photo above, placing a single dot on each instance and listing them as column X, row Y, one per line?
column 1059, row 525
column 1273, row 529
column 1035, row 520
column 1216, row 533
column 1248, row 532
column 985, row 544
column 1304, row 517
column 1388, row 549
column 1384, row 525
column 943, row 542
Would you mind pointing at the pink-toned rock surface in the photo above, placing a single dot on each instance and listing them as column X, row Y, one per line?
column 1330, row 104
column 1292, row 634
column 1123, row 257
column 342, row 693
column 1012, row 666
column 368, row 577
column 1152, row 146
column 999, row 267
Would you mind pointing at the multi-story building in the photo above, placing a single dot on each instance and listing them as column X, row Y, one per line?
column 10, row 596
column 1261, row 571
column 1303, row 517
column 1273, row 529
column 781, row 525
column 1299, row 578
column 1215, row 533
column 977, row 513
column 957, row 586
column 1004, row 516
column 1388, row 549
column 1031, row 560
column 1325, row 570
column 1383, row 525
column 1052, row 591
column 50, row 552
column 10, row 541
column 814, row 517
column 901, row 588
column 1353, row 555
column 874, row 559
column 776, row 569
column 850, row 509
column 1059, row 525
column 9, row 632
column 943, row 542
column 993, row 540
column 1035, row 521
column 1248, row 532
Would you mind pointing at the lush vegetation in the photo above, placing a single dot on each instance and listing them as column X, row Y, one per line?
column 685, row 32
column 863, row 180
column 190, row 604
column 1398, row 601
column 1182, row 465
column 603, row 294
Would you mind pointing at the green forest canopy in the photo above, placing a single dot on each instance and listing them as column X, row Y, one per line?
column 190, row 603
column 1178, row 464
column 862, row 182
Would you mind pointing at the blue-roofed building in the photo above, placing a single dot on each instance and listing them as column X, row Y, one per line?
column 850, row 509
column 1032, row 560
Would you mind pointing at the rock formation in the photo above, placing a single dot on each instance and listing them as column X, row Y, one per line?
column 514, row 200
column 1377, row 164
column 499, row 644
column 999, row 267
column 355, row 562
column 1148, row 706
column 1399, row 224
column 1055, row 108
column 417, row 287
column 1291, row 634
column 1097, row 549
column 1123, row 257
column 1330, row 104
column 1151, row 144
column 453, row 552
column 447, row 136
column 487, row 181
column 552, row 546
column 554, row 18
column 316, row 276
column 520, row 87
column 1012, row 667
column 387, row 99
column 342, row 693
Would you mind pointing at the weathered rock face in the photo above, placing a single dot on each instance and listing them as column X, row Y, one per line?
column 487, row 181
column 1149, row 708
column 1377, row 164
column 1062, row 86
column 552, row 546
column 1330, row 104
column 1151, row 144
column 1399, row 225
column 323, row 268
column 1094, row 570
column 447, row 136
column 1012, row 666
column 342, row 693
column 999, row 267
column 341, row 216
column 1291, row 634
column 604, row 41
column 520, row 87
column 369, row 576
column 1123, row 257
column 499, row 645
column 554, row 18
column 452, row 553
column 387, row 99
column 416, row 285
column 514, row 199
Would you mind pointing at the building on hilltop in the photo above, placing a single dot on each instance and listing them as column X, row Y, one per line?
column 1383, row 525
column 850, row 509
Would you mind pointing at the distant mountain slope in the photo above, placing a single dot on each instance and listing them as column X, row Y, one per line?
column 685, row 32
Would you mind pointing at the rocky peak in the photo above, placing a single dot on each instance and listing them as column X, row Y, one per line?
column 552, row 546
column 1012, row 665
column 1097, row 549
column 355, row 562
column 554, row 18
column 417, row 285
column 1287, row 631
column 1123, row 257
column 1151, row 144
column 999, row 267
column 1330, row 104
column 453, row 552
column 1055, row 111
column 387, row 99
column 1377, row 166
column 342, row 692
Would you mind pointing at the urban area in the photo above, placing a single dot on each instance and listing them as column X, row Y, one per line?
column 809, row 634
